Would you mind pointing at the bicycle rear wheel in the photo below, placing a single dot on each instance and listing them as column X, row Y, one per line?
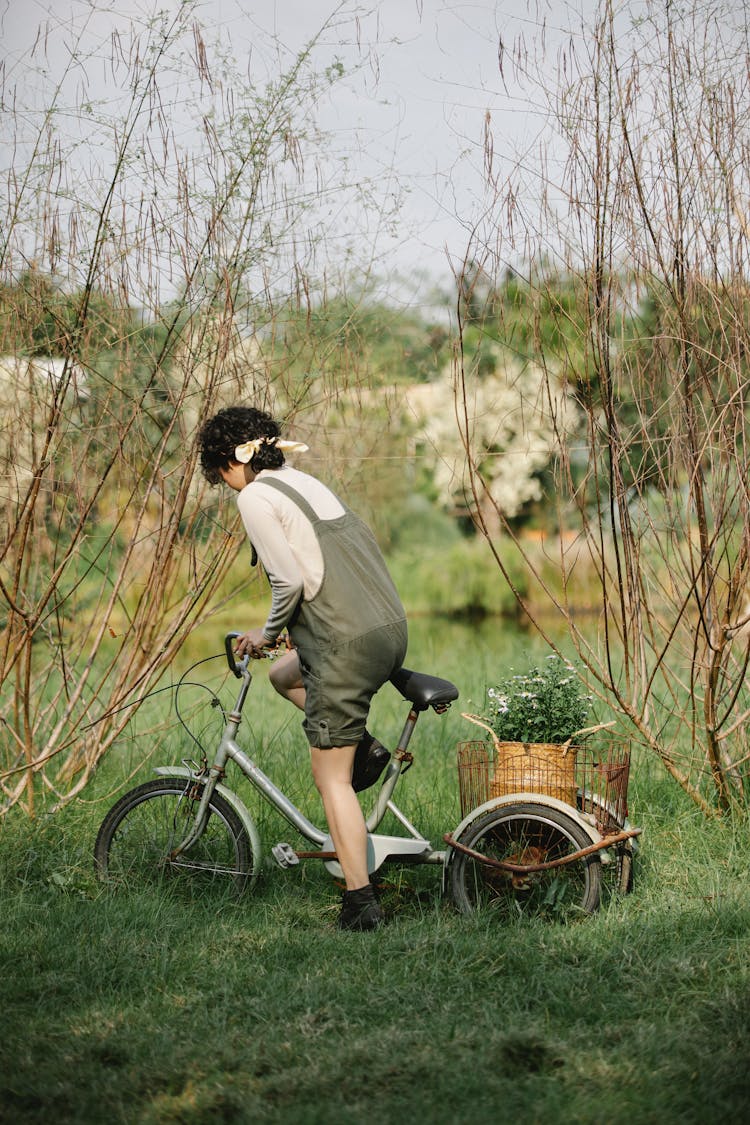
column 526, row 834
column 138, row 835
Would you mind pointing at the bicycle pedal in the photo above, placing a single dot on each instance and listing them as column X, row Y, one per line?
column 285, row 855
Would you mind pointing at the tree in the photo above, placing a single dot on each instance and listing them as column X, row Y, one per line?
column 133, row 272
column 508, row 420
column 651, row 123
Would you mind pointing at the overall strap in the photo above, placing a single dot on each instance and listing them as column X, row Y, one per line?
column 296, row 498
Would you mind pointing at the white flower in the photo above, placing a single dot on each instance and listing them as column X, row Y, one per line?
column 511, row 426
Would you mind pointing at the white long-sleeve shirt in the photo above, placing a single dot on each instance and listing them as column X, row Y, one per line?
column 284, row 538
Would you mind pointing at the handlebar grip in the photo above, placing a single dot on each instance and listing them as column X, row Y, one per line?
column 233, row 666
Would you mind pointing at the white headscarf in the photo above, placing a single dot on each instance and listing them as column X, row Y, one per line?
column 244, row 453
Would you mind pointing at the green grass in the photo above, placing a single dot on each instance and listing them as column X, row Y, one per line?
column 156, row 1006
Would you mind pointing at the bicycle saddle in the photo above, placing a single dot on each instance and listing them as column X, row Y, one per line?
column 422, row 690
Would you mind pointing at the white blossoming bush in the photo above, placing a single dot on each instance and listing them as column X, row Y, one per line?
column 513, row 424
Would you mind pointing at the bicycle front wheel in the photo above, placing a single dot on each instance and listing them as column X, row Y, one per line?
column 526, row 835
column 138, row 837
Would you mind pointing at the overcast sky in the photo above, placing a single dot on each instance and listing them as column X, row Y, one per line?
column 414, row 115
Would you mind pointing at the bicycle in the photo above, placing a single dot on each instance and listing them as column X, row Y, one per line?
column 188, row 822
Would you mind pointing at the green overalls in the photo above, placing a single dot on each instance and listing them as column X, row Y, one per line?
column 351, row 636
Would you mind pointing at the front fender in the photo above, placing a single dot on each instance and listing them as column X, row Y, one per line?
column 237, row 804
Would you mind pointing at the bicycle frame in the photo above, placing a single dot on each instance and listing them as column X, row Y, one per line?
column 413, row 848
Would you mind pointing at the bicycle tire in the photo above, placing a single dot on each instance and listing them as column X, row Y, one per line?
column 625, row 861
column 624, row 854
column 134, row 843
column 526, row 834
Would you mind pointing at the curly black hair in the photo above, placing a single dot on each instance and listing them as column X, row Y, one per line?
column 219, row 437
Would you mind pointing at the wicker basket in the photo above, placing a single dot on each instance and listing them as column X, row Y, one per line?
column 534, row 767
column 531, row 767
column 592, row 778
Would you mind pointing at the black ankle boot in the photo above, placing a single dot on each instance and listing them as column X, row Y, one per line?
column 370, row 759
column 360, row 910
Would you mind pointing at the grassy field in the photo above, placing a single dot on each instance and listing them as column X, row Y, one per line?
column 153, row 1006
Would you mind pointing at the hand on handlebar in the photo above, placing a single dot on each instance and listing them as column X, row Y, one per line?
column 254, row 643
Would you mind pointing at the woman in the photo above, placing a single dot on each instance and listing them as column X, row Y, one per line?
column 331, row 590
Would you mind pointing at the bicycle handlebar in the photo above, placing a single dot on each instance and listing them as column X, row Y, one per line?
column 234, row 667
column 238, row 669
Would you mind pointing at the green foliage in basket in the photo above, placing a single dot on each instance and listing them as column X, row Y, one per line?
column 546, row 704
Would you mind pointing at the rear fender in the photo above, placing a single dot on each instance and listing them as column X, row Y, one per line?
column 519, row 799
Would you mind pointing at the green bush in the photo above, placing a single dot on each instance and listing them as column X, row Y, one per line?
column 459, row 579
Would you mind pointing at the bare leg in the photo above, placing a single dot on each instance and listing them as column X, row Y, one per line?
column 286, row 679
column 332, row 773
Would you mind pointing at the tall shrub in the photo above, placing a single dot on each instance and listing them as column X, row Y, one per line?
column 645, row 221
column 147, row 237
